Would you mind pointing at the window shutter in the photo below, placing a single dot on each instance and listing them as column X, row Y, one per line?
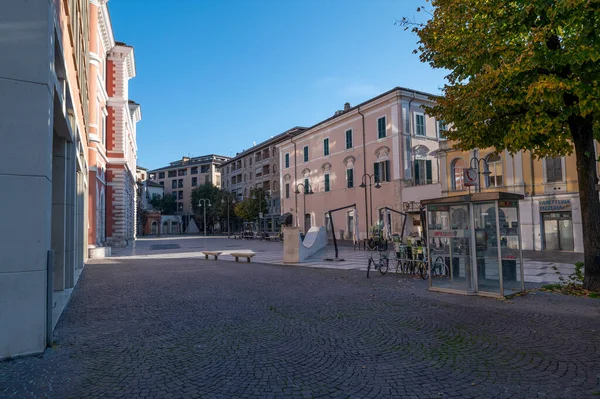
column 557, row 169
column 387, row 170
column 376, row 171
column 550, row 171
column 428, row 171
column 417, row 172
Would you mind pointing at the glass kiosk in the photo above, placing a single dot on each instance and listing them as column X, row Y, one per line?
column 478, row 239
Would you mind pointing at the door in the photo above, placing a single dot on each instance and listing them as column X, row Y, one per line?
column 558, row 231
column 350, row 225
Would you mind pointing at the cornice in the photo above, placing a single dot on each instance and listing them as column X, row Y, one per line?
column 105, row 25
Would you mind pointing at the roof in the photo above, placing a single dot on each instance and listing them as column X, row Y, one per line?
column 150, row 183
column 397, row 88
column 122, row 44
column 282, row 136
column 201, row 160
column 476, row 197
column 141, row 167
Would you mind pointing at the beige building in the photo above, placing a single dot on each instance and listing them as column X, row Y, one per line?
column 550, row 213
column 258, row 167
column 181, row 177
column 387, row 140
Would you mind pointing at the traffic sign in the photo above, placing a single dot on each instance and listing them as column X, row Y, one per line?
column 471, row 177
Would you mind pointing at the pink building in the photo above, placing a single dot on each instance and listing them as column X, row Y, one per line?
column 387, row 139
column 112, row 131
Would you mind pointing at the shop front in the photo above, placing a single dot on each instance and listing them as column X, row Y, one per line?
column 557, row 224
column 474, row 242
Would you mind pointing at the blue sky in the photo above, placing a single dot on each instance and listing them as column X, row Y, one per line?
column 215, row 75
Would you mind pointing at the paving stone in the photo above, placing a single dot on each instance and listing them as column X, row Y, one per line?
column 189, row 328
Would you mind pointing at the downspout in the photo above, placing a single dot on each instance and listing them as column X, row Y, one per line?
column 410, row 135
column 294, row 183
column 365, row 169
column 532, row 194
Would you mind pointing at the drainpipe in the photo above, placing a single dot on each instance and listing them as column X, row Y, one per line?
column 532, row 195
column 410, row 134
column 295, row 174
column 365, row 170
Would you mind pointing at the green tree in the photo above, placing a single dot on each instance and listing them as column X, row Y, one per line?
column 249, row 208
column 213, row 194
column 166, row 204
column 523, row 75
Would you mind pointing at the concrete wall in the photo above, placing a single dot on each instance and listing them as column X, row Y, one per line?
column 26, row 101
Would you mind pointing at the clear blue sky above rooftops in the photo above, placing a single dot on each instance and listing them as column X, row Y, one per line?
column 214, row 76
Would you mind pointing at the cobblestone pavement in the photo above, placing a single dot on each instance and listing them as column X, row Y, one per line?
column 190, row 328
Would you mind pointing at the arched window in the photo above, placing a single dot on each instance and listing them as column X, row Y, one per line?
column 154, row 228
column 494, row 179
column 458, row 167
column 423, row 166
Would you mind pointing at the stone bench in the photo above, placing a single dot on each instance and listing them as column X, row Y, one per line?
column 247, row 255
column 211, row 253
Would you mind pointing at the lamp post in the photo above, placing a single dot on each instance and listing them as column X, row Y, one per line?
column 259, row 210
column 307, row 191
column 206, row 203
column 486, row 172
column 229, row 203
column 363, row 185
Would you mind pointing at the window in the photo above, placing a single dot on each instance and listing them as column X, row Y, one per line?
column 194, row 181
column 381, row 127
column 161, row 175
column 274, row 169
column 420, row 124
column 326, row 147
column 162, row 183
column 250, row 161
column 172, row 173
column 194, row 170
column 250, row 175
column 423, row 172
column 180, row 207
column 180, row 195
column 287, row 160
column 381, row 170
column 305, row 153
column 103, row 130
column 327, row 185
column 306, row 186
column 179, row 183
column 182, row 172
column 348, row 139
column 349, row 178
column 287, row 190
column 458, row 168
column 554, row 170
column 494, row 179
column 207, row 179
column 442, row 129
column 205, row 169
column 173, row 183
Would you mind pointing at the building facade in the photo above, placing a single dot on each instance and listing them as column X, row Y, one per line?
column 181, row 177
column 387, row 140
column 122, row 117
column 258, row 167
column 550, row 213
column 44, row 113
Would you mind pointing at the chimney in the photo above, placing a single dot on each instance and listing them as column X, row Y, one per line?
column 346, row 107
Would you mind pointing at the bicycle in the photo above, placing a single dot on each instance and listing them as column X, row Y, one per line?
column 380, row 262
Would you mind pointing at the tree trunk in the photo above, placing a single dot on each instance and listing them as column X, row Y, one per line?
column 583, row 138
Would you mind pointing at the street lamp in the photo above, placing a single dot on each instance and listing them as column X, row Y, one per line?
column 307, row 191
column 486, row 172
column 363, row 185
column 206, row 203
column 259, row 210
column 228, row 206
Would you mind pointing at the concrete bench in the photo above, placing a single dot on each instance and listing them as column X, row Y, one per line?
column 247, row 255
column 211, row 253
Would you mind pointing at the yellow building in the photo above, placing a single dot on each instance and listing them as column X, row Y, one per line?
column 550, row 213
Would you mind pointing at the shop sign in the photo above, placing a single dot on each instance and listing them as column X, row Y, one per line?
column 508, row 204
column 438, row 208
column 555, row 205
column 444, row 233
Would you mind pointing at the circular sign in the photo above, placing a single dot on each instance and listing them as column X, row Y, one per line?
column 471, row 177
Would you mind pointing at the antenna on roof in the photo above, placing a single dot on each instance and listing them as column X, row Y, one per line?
column 254, row 143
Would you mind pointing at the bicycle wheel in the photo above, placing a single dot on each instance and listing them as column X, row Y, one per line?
column 384, row 263
column 423, row 270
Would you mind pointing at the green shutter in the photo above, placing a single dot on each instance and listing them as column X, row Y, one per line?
column 381, row 127
column 327, row 182
column 349, row 178
column 376, row 171
column 428, row 172
column 417, row 172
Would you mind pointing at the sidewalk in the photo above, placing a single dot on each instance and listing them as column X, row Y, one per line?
column 538, row 265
